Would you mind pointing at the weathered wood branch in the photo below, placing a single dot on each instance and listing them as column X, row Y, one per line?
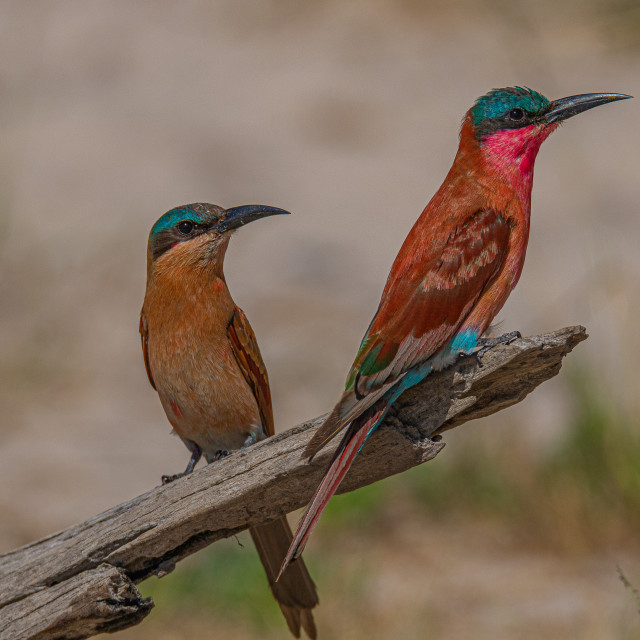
column 80, row 582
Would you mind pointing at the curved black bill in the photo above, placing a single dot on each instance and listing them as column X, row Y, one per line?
column 573, row 105
column 239, row 216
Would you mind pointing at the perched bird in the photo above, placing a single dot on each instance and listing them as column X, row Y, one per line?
column 453, row 274
column 202, row 358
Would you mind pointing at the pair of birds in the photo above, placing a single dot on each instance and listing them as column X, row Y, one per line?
column 453, row 274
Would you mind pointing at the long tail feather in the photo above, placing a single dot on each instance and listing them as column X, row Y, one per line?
column 346, row 411
column 346, row 453
column 295, row 592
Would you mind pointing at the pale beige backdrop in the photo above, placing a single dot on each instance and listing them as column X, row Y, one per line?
column 346, row 114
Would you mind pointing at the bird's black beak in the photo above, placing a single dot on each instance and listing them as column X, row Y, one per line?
column 239, row 216
column 573, row 105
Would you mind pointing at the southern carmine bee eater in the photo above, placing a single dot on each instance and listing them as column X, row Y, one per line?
column 202, row 358
column 453, row 274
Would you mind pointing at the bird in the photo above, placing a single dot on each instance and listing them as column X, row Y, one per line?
column 202, row 357
column 454, row 272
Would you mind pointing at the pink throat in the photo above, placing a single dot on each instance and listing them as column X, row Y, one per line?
column 512, row 153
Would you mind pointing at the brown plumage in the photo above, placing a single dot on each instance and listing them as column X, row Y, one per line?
column 202, row 357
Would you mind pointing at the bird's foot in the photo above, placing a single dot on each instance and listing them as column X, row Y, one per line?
column 486, row 344
column 196, row 453
column 171, row 478
column 221, row 453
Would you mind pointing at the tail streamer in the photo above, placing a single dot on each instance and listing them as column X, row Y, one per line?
column 353, row 440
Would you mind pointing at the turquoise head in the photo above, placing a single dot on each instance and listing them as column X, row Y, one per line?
column 521, row 107
column 188, row 222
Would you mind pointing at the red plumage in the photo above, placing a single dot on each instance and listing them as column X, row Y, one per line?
column 454, row 272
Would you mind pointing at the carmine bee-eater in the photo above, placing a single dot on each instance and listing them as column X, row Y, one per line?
column 202, row 357
column 453, row 274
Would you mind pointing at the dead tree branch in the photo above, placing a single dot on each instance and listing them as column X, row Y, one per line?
column 80, row 582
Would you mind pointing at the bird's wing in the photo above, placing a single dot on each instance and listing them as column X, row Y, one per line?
column 295, row 591
column 247, row 353
column 144, row 337
column 425, row 302
column 414, row 323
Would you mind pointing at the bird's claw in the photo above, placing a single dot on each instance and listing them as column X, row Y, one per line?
column 486, row 344
column 196, row 453
column 171, row 478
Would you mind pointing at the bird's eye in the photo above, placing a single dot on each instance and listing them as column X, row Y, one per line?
column 516, row 114
column 185, row 227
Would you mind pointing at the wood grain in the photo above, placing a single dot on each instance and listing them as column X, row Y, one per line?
column 80, row 581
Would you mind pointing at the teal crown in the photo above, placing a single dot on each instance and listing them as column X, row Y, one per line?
column 196, row 213
column 498, row 102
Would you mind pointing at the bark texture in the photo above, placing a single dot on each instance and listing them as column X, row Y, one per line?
column 79, row 582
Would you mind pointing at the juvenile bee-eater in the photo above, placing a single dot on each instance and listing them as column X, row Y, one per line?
column 454, row 272
column 202, row 358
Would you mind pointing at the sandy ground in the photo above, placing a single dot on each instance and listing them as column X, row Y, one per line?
column 428, row 580
column 345, row 113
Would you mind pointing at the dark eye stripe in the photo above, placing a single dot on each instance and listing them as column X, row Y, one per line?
column 513, row 119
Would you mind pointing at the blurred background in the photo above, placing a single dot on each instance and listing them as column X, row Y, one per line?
column 345, row 113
